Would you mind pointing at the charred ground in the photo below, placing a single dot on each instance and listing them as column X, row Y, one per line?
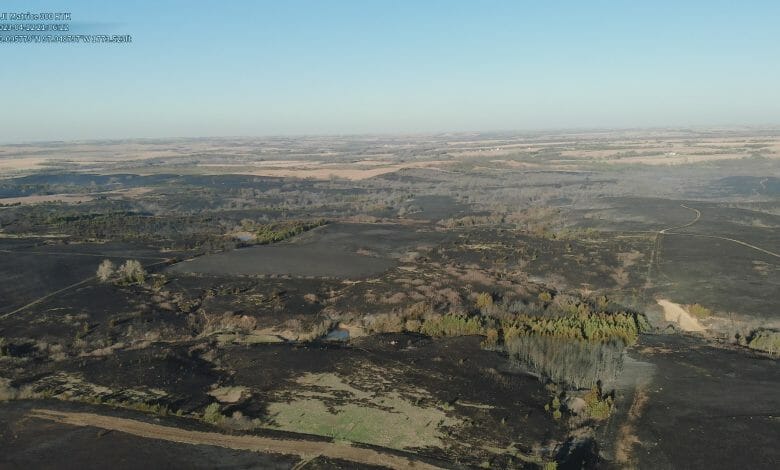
column 419, row 312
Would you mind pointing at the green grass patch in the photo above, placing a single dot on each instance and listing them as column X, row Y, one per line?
column 765, row 340
column 328, row 406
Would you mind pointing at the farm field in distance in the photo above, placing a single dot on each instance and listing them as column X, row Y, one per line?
column 604, row 299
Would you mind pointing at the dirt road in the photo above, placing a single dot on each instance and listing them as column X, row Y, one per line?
column 304, row 449
column 696, row 219
column 733, row 240
column 655, row 254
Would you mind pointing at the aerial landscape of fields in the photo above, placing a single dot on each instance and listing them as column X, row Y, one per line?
column 509, row 300
column 389, row 234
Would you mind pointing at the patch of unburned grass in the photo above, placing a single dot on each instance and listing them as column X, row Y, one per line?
column 765, row 340
column 251, row 338
column 73, row 387
column 328, row 406
column 699, row 311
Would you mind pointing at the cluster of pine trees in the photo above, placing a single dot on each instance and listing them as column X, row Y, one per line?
column 595, row 327
column 278, row 231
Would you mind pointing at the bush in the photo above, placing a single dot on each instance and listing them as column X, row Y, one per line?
column 452, row 325
column 154, row 408
column 227, row 322
column 419, row 310
column 317, row 330
column 413, row 325
column 491, row 338
column 131, row 272
column 158, row 281
column 484, row 302
column 384, row 323
column 212, row 414
column 597, row 406
column 555, row 408
column 105, row 270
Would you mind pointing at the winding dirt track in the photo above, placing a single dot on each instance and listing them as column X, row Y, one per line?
column 655, row 255
column 304, row 449
column 696, row 219
column 666, row 231
column 734, row 240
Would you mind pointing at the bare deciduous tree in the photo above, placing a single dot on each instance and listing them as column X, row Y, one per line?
column 105, row 270
column 132, row 271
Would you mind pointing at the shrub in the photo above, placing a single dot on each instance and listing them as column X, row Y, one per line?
column 419, row 310
column 484, row 302
column 317, row 330
column 212, row 414
column 131, row 272
column 158, row 281
column 154, row 408
column 413, row 325
column 227, row 322
column 596, row 406
column 384, row 323
column 491, row 338
column 105, row 270
column 545, row 297
column 452, row 325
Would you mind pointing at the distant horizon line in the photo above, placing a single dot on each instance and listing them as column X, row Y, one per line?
column 507, row 132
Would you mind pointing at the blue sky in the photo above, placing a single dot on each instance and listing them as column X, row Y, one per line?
column 203, row 68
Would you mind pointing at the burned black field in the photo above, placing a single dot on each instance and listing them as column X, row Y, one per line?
column 725, row 401
column 454, row 311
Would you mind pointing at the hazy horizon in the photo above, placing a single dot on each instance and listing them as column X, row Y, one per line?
column 443, row 133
